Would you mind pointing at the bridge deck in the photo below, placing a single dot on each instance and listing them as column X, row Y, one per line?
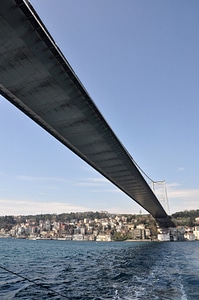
column 36, row 78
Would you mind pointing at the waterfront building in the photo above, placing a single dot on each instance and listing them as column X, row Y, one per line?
column 78, row 237
column 196, row 232
column 68, row 237
column 136, row 234
column 163, row 235
column 103, row 238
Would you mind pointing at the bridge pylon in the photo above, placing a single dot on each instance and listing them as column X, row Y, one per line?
column 160, row 190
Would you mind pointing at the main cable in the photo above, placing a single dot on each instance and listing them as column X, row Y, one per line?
column 139, row 168
column 33, row 281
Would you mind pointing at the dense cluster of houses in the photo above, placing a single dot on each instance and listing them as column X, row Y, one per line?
column 86, row 229
column 104, row 229
column 180, row 233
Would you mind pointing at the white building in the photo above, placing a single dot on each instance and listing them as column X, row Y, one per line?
column 196, row 232
column 164, row 235
column 78, row 237
column 190, row 236
column 103, row 238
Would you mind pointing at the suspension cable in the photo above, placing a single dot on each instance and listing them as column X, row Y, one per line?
column 141, row 170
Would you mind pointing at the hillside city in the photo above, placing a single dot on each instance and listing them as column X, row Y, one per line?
column 99, row 226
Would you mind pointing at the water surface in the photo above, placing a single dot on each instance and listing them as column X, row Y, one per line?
column 103, row 270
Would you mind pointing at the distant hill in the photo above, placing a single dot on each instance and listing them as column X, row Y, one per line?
column 182, row 218
column 186, row 217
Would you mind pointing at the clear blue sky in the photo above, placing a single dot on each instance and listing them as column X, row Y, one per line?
column 139, row 61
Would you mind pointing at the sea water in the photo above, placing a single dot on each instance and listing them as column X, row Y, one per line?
column 98, row 270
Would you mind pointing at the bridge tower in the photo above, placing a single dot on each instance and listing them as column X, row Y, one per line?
column 160, row 190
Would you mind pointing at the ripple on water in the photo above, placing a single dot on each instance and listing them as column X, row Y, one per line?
column 162, row 271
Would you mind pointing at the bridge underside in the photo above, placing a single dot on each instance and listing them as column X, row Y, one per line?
column 36, row 78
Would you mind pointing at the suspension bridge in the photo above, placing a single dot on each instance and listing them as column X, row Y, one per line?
column 36, row 77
